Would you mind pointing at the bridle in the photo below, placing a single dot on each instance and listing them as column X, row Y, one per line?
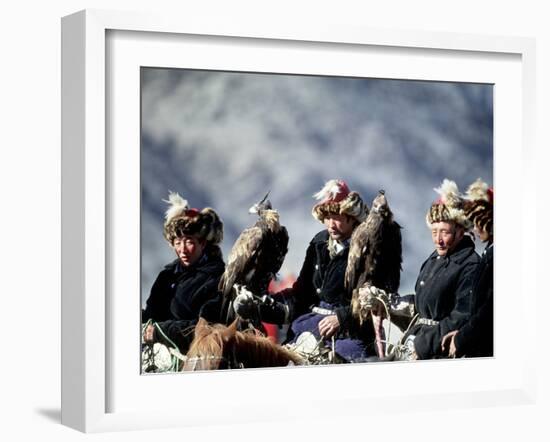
column 203, row 362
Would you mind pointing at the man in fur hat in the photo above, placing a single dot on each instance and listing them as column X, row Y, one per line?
column 318, row 301
column 187, row 287
column 443, row 286
column 475, row 338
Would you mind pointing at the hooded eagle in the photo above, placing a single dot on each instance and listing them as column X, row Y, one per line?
column 375, row 254
column 258, row 253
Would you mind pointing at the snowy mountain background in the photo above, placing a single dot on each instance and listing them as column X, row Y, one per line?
column 223, row 139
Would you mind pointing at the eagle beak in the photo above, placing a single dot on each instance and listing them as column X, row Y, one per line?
column 264, row 198
column 255, row 209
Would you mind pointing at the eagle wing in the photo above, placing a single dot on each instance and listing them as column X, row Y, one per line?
column 241, row 258
column 393, row 257
column 268, row 260
column 280, row 249
column 359, row 244
column 383, row 258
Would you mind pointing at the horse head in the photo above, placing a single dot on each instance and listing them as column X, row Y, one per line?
column 217, row 347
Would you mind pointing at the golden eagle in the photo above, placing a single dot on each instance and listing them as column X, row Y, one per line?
column 256, row 256
column 375, row 254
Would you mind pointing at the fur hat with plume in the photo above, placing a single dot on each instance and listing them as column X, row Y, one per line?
column 336, row 198
column 449, row 207
column 181, row 220
column 479, row 205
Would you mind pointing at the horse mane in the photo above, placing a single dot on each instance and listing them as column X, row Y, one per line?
column 214, row 343
column 259, row 351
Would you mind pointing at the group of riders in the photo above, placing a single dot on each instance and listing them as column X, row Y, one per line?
column 450, row 314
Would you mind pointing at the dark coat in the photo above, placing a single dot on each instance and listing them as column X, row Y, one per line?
column 475, row 338
column 443, row 294
column 322, row 279
column 180, row 295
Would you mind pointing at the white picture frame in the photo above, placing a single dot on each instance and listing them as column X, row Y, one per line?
column 89, row 174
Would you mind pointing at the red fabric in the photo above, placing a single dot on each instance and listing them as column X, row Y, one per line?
column 272, row 331
column 341, row 194
column 380, row 335
column 343, row 191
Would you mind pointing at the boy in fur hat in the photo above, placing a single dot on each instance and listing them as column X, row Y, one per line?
column 475, row 338
column 318, row 301
column 187, row 287
column 443, row 286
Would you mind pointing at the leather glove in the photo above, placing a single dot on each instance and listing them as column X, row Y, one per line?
column 371, row 298
column 245, row 305
column 273, row 311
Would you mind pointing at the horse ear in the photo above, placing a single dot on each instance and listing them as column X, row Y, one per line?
column 232, row 328
column 201, row 328
column 230, row 331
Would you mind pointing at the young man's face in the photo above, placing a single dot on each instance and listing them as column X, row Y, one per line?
column 340, row 227
column 189, row 249
column 446, row 236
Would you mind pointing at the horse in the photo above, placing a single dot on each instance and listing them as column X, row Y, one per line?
column 216, row 347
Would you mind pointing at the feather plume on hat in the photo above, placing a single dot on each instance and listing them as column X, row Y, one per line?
column 333, row 190
column 479, row 190
column 449, row 193
column 449, row 207
column 178, row 206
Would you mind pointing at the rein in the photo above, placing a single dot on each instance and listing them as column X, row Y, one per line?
column 196, row 359
column 230, row 363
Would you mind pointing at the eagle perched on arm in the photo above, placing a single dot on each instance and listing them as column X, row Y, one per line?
column 375, row 254
column 256, row 256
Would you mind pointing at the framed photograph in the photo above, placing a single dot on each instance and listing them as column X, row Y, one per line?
column 223, row 114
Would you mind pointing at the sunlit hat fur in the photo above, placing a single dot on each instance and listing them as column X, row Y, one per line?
column 336, row 198
column 449, row 207
column 181, row 220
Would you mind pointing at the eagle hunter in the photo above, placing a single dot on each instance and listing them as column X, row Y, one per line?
column 257, row 255
column 375, row 254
